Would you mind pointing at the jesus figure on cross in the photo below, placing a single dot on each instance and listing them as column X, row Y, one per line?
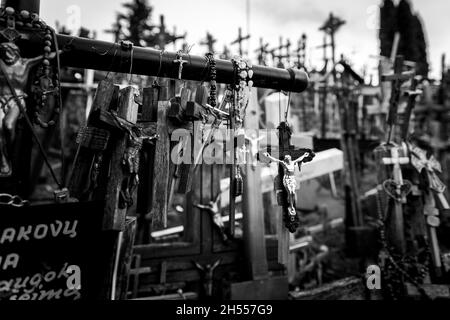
column 288, row 177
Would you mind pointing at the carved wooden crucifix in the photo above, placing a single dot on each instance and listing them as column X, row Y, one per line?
column 397, row 189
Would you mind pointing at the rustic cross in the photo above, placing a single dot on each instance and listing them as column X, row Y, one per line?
column 163, row 37
column 292, row 222
column 225, row 53
column 397, row 78
column 433, row 221
column 213, row 209
column 179, row 60
column 240, row 39
column 207, row 272
column 209, row 42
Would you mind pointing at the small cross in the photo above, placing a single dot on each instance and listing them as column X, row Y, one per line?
column 180, row 60
column 239, row 41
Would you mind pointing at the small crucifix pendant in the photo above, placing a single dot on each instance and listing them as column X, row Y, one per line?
column 180, row 61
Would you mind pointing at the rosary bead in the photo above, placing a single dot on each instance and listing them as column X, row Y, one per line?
column 46, row 62
column 47, row 49
column 28, row 25
column 47, row 43
column 48, row 37
column 34, row 17
column 25, row 14
column 10, row 10
column 19, row 23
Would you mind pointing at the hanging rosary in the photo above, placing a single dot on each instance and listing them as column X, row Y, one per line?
column 241, row 92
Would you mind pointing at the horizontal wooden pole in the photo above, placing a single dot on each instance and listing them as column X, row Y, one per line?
column 101, row 55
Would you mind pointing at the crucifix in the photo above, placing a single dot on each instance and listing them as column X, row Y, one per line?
column 163, row 37
column 225, row 53
column 397, row 78
column 239, row 41
column 397, row 189
column 209, row 42
column 434, row 187
column 179, row 60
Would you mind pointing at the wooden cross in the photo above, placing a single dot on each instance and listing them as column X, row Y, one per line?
column 433, row 221
column 162, row 38
column 239, row 41
column 179, row 60
column 412, row 94
column 209, row 42
column 262, row 51
column 397, row 78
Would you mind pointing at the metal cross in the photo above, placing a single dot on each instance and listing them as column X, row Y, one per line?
column 180, row 61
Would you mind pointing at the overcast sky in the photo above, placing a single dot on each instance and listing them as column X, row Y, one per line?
column 269, row 19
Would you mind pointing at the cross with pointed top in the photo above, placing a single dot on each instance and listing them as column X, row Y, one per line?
column 209, row 42
column 239, row 41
